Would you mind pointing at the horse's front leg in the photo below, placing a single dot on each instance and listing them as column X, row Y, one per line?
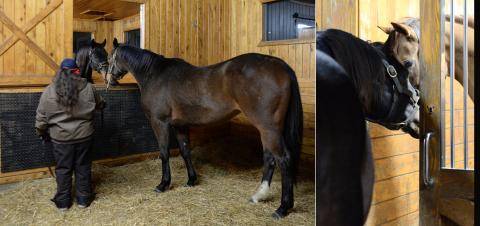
column 161, row 131
column 183, row 140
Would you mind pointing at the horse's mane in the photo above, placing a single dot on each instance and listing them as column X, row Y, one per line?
column 360, row 59
column 144, row 61
column 82, row 59
column 362, row 62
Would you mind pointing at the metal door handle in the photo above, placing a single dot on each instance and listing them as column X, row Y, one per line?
column 427, row 180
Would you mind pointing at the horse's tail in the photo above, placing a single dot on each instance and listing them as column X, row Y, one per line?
column 293, row 125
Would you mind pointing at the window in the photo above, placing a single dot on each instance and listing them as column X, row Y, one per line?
column 132, row 38
column 288, row 19
column 81, row 39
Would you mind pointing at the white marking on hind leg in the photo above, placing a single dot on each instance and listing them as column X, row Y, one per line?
column 262, row 192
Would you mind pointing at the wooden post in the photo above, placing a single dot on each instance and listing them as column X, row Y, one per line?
column 431, row 87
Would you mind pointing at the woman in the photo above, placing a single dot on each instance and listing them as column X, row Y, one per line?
column 65, row 116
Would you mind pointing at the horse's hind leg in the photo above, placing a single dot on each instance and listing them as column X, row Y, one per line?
column 268, row 168
column 272, row 140
column 161, row 130
column 183, row 140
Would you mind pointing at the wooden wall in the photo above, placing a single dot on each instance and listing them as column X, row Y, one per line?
column 125, row 24
column 196, row 33
column 49, row 33
column 396, row 154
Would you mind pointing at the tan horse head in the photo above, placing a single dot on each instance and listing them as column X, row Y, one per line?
column 404, row 40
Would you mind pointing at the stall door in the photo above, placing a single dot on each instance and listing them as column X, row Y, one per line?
column 447, row 176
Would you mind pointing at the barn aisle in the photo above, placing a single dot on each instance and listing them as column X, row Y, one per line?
column 229, row 171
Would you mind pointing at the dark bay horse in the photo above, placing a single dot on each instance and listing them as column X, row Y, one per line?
column 93, row 56
column 178, row 94
column 355, row 81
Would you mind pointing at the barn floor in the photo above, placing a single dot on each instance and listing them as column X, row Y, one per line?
column 229, row 172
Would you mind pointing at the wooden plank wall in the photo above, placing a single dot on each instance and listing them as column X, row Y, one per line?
column 245, row 28
column 396, row 154
column 125, row 24
column 19, row 65
column 194, row 30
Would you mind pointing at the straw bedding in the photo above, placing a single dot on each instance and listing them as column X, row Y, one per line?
column 229, row 172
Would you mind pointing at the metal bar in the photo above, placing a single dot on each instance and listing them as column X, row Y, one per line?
column 465, row 85
column 452, row 80
column 443, row 155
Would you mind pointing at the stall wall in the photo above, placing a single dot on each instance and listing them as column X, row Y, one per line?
column 396, row 154
column 47, row 25
column 196, row 33
column 125, row 24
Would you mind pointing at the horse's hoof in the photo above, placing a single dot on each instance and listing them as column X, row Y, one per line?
column 189, row 185
column 160, row 188
column 277, row 216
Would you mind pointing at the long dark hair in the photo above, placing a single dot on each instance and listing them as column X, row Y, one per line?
column 82, row 58
column 67, row 86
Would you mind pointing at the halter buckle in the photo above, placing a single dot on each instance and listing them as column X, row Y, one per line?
column 391, row 71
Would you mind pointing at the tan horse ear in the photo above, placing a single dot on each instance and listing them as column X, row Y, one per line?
column 387, row 30
column 405, row 29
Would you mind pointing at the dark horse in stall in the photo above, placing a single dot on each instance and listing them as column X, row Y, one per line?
column 177, row 94
column 93, row 56
column 355, row 81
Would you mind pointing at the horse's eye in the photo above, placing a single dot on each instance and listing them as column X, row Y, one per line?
column 407, row 63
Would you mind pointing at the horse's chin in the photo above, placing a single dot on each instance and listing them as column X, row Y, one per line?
column 413, row 129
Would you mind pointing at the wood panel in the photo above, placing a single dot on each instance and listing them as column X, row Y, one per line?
column 339, row 14
column 44, row 28
column 375, row 13
column 114, row 9
column 198, row 32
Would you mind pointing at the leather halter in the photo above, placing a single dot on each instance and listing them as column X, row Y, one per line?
column 91, row 63
column 398, row 90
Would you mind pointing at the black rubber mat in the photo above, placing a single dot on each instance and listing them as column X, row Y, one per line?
column 124, row 131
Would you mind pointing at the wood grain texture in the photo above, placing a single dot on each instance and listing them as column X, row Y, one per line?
column 44, row 27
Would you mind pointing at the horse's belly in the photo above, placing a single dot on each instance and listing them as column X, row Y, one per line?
column 200, row 115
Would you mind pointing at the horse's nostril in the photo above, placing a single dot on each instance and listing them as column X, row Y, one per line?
column 407, row 63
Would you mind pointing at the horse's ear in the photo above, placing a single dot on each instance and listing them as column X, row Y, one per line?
column 103, row 43
column 403, row 28
column 115, row 42
column 387, row 30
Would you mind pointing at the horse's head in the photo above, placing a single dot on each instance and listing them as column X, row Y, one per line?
column 117, row 68
column 98, row 57
column 396, row 99
column 404, row 41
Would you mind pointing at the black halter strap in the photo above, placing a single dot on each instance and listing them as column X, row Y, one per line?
column 392, row 72
column 92, row 65
column 398, row 89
